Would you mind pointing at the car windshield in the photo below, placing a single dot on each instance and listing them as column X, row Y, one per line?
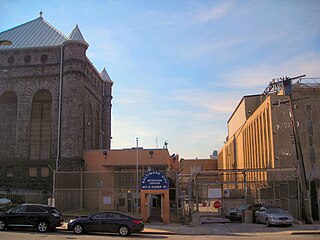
column 242, row 207
column 275, row 210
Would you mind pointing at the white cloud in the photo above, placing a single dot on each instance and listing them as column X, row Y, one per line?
column 210, row 14
column 209, row 48
column 258, row 77
column 136, row 96
column 212, row 102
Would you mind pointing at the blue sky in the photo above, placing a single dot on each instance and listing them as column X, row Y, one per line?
column 181, row 67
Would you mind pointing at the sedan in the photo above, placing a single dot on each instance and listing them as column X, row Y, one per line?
column 115, row 222
column 273, row 216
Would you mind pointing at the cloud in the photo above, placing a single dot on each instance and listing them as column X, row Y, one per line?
column 192, row 120
column 186, row 18
column 210, row 14
column 258, row 77
column 136, row 96
column 209, row 48
column 210, row 101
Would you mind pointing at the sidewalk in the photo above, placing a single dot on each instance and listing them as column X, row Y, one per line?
column 228, row 229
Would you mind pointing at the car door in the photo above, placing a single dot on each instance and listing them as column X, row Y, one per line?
column 114, row 221
column 96, row 222
column 17, row 217
column 34, row 213
column 262, row 215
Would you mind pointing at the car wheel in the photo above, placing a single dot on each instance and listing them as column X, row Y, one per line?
column 124, row 231
column 78, row 229
column 268, row 223
column 42, row 226
column 2, row 225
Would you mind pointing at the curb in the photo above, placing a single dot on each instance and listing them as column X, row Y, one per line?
column 158, row 233
column 305, row 233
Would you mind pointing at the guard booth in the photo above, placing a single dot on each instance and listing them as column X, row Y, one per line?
column 154, row 197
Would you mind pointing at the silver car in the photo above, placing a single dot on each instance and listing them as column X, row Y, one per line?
column 273, row 216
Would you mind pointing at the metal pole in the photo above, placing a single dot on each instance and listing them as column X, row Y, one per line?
column 59, row 109
column 177, row 196
column 137, row 177
column 53, row 185
column 196, row 192
column 81, row 189
column 245, row 186
column 302, row 171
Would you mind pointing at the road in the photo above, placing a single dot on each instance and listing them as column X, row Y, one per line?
column 66, row 235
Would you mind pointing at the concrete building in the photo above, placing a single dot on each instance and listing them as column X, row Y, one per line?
column 260, row 137
column 54, row 104
column 111, row 181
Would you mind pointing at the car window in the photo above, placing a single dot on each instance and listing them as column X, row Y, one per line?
column 21, row 209
column 275, row 210
column 99, row 216
column 35, row 209
column 115, row 215
column 54, row 210
column 242, row 207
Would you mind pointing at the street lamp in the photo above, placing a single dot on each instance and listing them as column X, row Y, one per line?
column 5, row 42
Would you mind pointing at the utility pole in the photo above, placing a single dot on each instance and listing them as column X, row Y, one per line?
column 137, row 176
column 287, row 89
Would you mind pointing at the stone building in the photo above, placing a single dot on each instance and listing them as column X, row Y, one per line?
column 54, row 104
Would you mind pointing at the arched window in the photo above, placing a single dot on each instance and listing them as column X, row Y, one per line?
column 41, row 126
column 8, row 122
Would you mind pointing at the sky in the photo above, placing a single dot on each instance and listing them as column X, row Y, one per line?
column 180, row 67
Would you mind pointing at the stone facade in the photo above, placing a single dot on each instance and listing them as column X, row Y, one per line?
column 29, row 112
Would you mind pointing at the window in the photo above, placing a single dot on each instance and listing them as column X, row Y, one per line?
column 122, row 202
column 11, row 60
column 27, row 59
column 99, row 216
column 44, row 58
column 32, row 172
column 35, row 209
column 10, row 172
column 114, row 215
column 21, row 209
column 44, row 172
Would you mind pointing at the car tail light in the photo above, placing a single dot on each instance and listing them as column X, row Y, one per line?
column 136, row 221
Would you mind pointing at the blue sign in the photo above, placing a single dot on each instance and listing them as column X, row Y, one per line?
column 154, row 180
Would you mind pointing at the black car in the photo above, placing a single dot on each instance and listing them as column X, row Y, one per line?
column 41, row 217
column 112, row 221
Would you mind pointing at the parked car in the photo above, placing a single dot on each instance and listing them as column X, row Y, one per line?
column 273, row 216
column 112, row 221
column 236, row 214
column 41, row 217
column 227, row 211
